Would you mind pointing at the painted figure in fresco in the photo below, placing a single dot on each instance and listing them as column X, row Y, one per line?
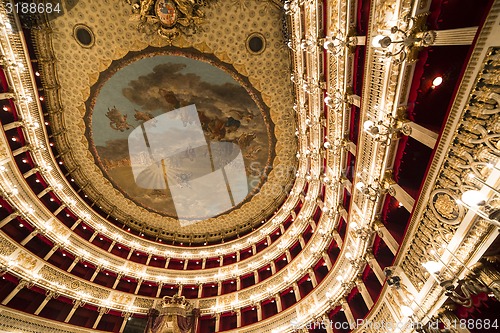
column 118, row 121
column 170, row 98
column 245, row 140
column 143, row 115
column 187, row 8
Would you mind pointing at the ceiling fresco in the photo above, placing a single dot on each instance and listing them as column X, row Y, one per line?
column 119, row 79
column 147, row 90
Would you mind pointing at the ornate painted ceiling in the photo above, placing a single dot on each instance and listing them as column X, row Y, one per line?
column 372, row 230
column 113, row 73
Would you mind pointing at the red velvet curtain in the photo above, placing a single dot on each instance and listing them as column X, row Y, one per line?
column 185, row 324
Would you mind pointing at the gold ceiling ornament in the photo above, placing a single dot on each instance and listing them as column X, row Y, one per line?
column 168, row 18
column 446, row 206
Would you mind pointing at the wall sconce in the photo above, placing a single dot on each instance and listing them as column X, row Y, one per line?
column 337, row 43
column 334, row 100
column 474, row 199
column 385, row 133
column 375, row 190
column 404, row 40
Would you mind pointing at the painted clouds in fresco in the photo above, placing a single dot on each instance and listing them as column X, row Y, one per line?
column 153, row 86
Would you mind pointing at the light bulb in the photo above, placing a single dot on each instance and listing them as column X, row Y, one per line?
column 360, row 185
column 437, row 81
column 433, row 266
column 474, row 198
column 376, row 40
column 406, row 311
column 368, row 124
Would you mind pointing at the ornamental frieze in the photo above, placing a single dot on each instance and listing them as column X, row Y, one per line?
column 478, row 132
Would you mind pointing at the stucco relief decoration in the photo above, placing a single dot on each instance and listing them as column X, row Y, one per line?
column 121, row 298
column 26, row 261
column 6, row 247
column 169, row 18
column 445, row 207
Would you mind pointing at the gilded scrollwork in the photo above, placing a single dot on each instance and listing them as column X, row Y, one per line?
column 169, row 18
column 6, row 247
column 444, row 205
column 461, row 171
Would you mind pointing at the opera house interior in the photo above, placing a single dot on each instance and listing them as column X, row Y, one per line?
column 365, row 133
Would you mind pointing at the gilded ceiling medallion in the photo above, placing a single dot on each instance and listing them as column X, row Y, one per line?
column 178, row 135
column 445, row 206
column 169, row 18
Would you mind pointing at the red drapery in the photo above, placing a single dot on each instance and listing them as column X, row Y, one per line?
column 156, row 322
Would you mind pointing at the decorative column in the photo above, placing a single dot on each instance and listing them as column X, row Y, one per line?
column 97, row 270
column 279, row 305
column 217, row 322
column 21, row 285
column 312, row 276
column 49, row 295
column 302, row 242
column 398, row 192
column 238, row 283
column 461, row 36
column 327, row 260
column 73, row 264
column 160, row 287
column 259, row 311
column 374, row 265
column 102, row 311
column 382, row 231
column 30, row 172
column 364, row 293
column 111, row 246
column 77, row 222
column 150, row 255
column 21, row 150
column 422, row 134
column 29, row 237
column 256, row 277
column 337, row 238
column 12, row 125
column 7, row 95
column 45, row 191
column 347, row 310
column 76, row 304
column 200, row 290
column 238, row 318
column 8, row 219
column 130, row 253
column 139, row 282
column 126, row 316
column 94, row 235
column 51, row 252
column 296, row 291
column 273, row 267
column 328, row 323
